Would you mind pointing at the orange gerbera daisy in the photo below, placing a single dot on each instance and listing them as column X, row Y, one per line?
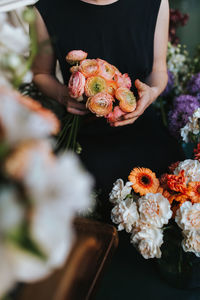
column 144, row 181
column 177, row 183
column 194, row 191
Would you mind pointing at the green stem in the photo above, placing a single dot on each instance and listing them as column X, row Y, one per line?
column 71, row 133
column 64, row 130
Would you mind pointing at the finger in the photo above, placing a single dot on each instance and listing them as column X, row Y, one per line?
column 140, row 86
column 75, row 104
column 138, row 112
column 76, row 111
column 123, row 123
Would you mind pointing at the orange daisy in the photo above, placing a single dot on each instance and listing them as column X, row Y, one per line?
column 194, row 191
column 144, row 181
column 177, row 183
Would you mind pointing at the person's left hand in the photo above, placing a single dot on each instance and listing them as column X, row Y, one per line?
column 147, row 95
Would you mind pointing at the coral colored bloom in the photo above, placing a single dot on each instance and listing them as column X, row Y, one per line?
column 111, row 87
column 76, row 85
column 74, row 69
column 106, row 70
column 197, row 152
column 194, row 191
column 123, row 80
column 127, row 100
column 95, row 85
column 144, row 181
column 89, row 67
column 76, row 56
column 115, row 115
column 178, row 182
column 101, row 104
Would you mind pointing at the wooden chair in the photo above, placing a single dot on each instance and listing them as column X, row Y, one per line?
column 78, row 279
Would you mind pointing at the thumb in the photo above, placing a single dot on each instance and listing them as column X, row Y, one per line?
column 140, row 86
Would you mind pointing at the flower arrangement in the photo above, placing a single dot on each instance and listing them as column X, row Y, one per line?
column 98, row 84
column 146, row 207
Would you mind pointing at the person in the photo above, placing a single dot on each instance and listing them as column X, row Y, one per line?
column 133, row 36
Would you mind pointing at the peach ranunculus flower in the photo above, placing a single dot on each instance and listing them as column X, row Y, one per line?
column 106, row 70
column 127, row 100
column 101, row 104
column 111, row 87
column 115, row 115
column 123, row 80
column 95, row 85
column 76, row 56
column 89, row 67
column 76, row 86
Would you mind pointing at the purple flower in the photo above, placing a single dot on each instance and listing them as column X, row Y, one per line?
column 194, row 84
column 183, row 107
column 170, row 84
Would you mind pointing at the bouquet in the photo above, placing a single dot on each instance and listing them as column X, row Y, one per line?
column 146, row 207
column 101, row 86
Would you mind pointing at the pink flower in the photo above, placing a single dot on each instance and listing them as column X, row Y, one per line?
column 76, row 56
column 76, row 85
column 123, row 80
column 101, row 104
column 115, row 115
column 106, row 70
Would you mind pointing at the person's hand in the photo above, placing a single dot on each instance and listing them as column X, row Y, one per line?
column 73, row 106
column 146, row 95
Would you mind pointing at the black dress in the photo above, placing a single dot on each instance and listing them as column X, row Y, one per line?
column 123, row 34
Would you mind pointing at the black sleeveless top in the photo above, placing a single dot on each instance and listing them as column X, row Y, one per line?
column 121, row 33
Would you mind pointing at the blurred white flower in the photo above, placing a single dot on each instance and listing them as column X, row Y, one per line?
column 7, row 5
column 148, row 241
column 120, row 191
column 125, row 214
column 191, row 168
column 188, row 216
column 191, row 242
column 154, row 209
column 192, row 127
column 19, row 122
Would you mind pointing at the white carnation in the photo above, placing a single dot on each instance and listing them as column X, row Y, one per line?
column 120, row 191
column 148, row 241
column 125, row 214
column 191, row 242
column 193, row 126
column 154, row 209
column 191, row 168
column 188, row 216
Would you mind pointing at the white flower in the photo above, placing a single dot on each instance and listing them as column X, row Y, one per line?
column 148, row 241
column 120, row 191
column 193, row 126
column 19, row 122
column 125, row 214
column 188, row 216
column 154, row 209
column 7, row 5
column 191, row 242
column 191, row 168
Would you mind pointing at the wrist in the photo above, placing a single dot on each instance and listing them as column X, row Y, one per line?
column 154, row 93
column 63, row 96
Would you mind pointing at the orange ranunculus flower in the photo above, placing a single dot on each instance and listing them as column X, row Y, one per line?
column 95, row 85
column 76, row 56
column 101, row 104
column 123, row 80
column 127, row 100
column 76, row 85
column 193, row 191
column 197, row 152
column 144, row 181
column 115, row 115
column 89, row 67
column 111, row 87
column 74, row 69
column 177, row 183
column 106, row 70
